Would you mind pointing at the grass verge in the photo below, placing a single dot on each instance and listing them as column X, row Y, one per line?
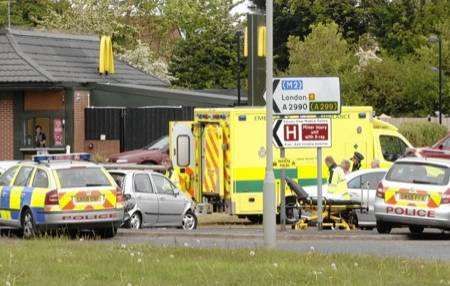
column 64, row 262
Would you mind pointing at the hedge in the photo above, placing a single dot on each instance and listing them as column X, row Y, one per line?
column 422, row 134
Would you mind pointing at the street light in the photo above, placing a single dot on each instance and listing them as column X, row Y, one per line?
column 438, row 39
column 269, row 215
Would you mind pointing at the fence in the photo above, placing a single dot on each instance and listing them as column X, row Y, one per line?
column 134, row 127
column 399, row 121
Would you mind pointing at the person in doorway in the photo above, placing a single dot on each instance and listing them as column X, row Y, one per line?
column 331, row 164
column 40, row 138
column 357, row 159
column 346, row 165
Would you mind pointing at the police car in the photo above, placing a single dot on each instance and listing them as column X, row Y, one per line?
column 56, row 191
column 415, row 193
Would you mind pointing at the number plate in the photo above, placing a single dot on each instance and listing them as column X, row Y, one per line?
column 413, row 197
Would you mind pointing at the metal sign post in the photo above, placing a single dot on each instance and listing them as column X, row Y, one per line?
column 283, row 191
column 319, row 188
column 269, row 206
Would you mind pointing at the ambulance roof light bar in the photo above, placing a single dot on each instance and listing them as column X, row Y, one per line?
column 62, row 157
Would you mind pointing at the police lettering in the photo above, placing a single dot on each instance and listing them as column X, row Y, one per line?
column 410, row 212
column 88, row 217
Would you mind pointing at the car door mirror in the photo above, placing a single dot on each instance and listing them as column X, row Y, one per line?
column 176, row 192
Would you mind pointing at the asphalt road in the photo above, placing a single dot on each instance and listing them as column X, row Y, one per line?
column 432, row 245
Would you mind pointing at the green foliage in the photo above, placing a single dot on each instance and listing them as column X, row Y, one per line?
column 28, row 12
column 323, row 52
column 422, row 134
column 204, row 60
column 206, row 57
column 100, row 17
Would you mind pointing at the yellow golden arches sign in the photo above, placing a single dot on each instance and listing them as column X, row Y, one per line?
column 106, row 56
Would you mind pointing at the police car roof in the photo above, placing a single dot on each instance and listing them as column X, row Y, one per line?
column 63, row 164
column 437, row 161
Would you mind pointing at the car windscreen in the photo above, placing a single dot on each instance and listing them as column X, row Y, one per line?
column 161, row 144
column 419, row 173
column 82, row 177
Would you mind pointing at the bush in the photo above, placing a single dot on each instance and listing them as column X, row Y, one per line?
column 422, row 134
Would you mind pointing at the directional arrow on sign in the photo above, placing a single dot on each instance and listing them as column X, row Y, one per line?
column 302, row 133
column 306, row 96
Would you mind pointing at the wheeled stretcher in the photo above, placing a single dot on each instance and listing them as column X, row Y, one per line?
column 336, row 213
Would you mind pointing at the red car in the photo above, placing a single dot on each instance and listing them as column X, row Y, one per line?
column 439, row 150
column 156, row 153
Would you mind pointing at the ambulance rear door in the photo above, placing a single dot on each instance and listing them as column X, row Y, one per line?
column 212, row 160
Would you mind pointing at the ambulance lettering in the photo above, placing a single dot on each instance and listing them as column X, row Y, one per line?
column 410, row 212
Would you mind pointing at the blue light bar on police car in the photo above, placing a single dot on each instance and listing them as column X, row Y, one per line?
column 62, row 157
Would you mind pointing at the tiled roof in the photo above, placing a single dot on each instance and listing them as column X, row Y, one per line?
column 34, row 56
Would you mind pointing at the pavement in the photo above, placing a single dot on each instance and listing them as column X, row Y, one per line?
column 432, row 245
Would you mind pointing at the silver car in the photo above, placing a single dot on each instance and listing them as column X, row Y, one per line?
column 362, row 187
column 158, row 203
column 414, row 193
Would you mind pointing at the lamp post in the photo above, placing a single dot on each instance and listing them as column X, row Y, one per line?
column 434, row 39
column 238, row 73
column 269, row 219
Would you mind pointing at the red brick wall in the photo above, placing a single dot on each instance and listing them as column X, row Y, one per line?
column 102, row 149
column 6, row 129
column 80, row 102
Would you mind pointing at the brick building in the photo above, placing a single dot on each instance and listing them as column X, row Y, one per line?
column 48, row 79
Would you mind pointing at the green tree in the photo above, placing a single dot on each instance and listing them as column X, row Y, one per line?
column 206, row 56
column 28, row 12
column 204, row 60
column 324, row 52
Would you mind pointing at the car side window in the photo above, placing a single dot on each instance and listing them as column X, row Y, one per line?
column 23, row 176
column 6, row 177
column 355, row 183
column 40, row 179
column 142, row 184
column 163, row 185
column 372, row 180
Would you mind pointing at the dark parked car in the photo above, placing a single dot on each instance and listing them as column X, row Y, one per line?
column 156, row 153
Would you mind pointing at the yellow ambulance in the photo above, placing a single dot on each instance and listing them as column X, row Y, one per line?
column 219, row 158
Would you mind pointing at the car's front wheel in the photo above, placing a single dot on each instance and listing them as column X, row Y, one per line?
column 383, row 227
column 190, row 221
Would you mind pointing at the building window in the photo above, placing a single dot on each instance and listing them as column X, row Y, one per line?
column 52, row 132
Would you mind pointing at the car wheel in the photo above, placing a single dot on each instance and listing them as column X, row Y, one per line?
column 108, row 232
column 135, row 221
column 383, row 227
column 189, row 221
column 416, row 229
column 29, row 228
column 255, row 219
column 353, row 219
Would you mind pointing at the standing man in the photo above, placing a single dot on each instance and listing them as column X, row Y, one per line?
column 331, row 164
column 40, row 137
column 336, row 183
column 346, row 165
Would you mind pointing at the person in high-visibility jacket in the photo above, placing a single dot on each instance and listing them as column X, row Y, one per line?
column 337, row 184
